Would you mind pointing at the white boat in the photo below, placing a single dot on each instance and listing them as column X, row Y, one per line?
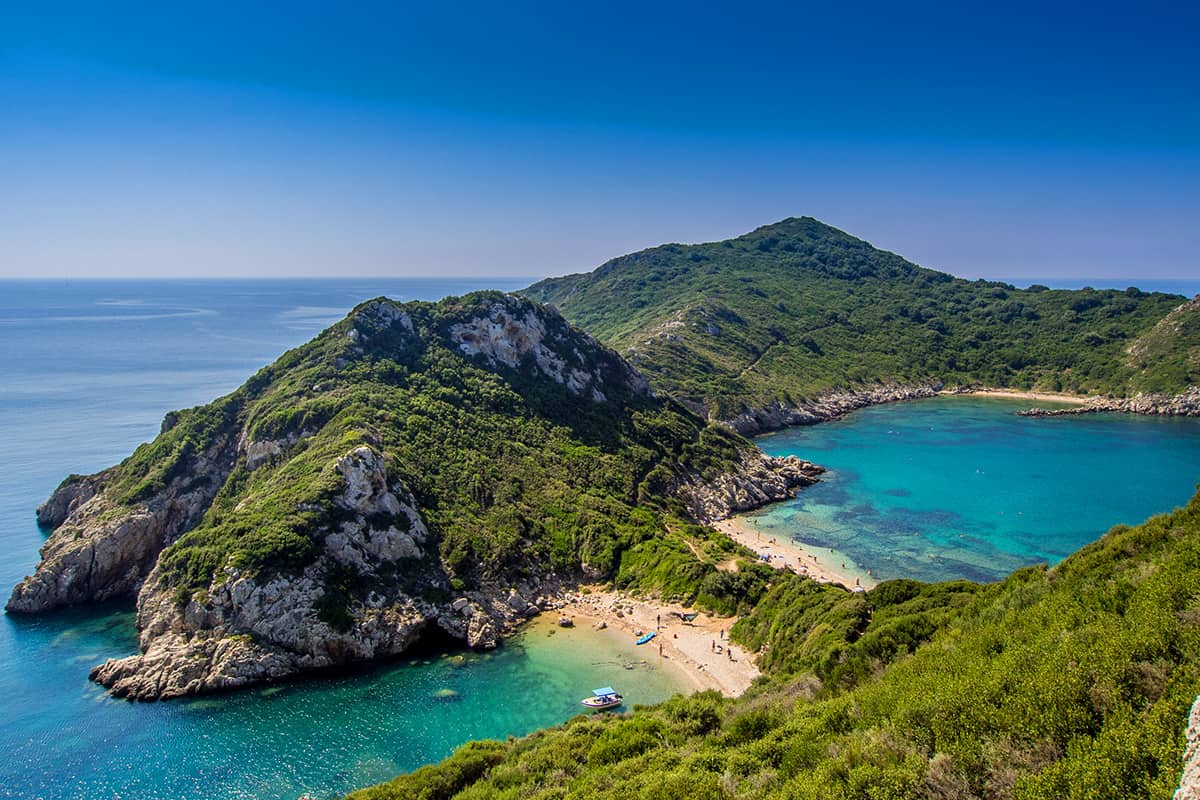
column 602, row 698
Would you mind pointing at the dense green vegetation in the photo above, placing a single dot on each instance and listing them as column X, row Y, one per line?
column 796, row 309
column 513, row 473
column 1168, row 355
column 1072, row 682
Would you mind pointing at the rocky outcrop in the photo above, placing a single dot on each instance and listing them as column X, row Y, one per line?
column 759, row 480
column 514, row 332
column 364, row 597
column 826, row 407
column 68, row 497
column 102, row 549
column 1189, row 783
column 1186, row 404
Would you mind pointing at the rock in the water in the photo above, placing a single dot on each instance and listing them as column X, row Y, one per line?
column 566, row 622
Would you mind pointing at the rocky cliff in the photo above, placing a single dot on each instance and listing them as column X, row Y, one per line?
column 761, row 479
column 246, row 628
column 416, row 469
column 102, row 550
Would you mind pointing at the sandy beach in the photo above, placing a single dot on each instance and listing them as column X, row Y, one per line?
column 1017, row 394
column 825, row 566
column 699, row 649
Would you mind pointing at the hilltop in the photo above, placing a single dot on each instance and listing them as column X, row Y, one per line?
column 762, row 329
column 418, row 469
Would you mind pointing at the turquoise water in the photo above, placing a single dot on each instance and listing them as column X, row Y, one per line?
column 321, row 736
column 87, row 371
column 961, row 487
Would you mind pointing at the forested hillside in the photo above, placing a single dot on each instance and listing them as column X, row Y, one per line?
column 797, row 309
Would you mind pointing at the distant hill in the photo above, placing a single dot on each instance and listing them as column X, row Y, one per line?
column 798, row 309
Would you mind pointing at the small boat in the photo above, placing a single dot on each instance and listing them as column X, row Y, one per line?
column 647, row 637
column 602, row 698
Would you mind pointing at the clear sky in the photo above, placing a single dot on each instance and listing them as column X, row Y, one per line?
column 1010, row 140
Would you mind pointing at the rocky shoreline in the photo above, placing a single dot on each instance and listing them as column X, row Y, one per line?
column 835, row 405
column 760, row 480
column 246, row 629
column 826, row 408
column 1186, row 404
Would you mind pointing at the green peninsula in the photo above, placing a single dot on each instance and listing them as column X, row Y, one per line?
column 417, row 469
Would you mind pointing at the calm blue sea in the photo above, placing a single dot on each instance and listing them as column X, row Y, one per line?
column 87, row 370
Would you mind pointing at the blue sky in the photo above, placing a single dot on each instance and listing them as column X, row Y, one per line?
column 527, row 139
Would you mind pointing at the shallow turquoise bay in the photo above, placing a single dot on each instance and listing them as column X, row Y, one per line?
column 962, row 487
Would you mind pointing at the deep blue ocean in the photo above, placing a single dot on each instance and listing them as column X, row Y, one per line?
column 87, row 370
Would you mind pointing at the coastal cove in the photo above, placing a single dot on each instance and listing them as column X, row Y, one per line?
column 962, row 487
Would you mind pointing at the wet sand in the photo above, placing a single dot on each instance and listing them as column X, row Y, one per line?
column 820, row 564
